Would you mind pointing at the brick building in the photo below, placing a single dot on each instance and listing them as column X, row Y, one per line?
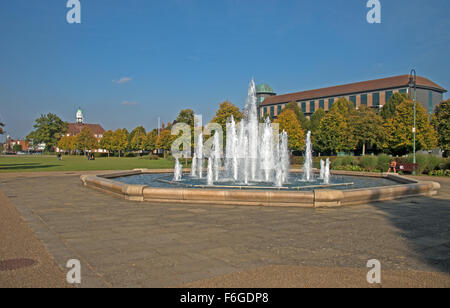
column 373, row 93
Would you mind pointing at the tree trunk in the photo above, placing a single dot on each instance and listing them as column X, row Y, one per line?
column 364, row 149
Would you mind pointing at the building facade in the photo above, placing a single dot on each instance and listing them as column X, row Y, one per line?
column 74, row 129
column 372, row 93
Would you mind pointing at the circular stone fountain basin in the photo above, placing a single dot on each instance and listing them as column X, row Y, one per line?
column 349, row 188
column 295, row 182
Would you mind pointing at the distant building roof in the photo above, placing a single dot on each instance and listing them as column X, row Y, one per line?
column 352, row 88
column 76, row 128
column 264, row 88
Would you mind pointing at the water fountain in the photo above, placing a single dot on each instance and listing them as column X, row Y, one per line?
column 257, row 158
column 308, row 175
column 326, row 174
column 178, row 171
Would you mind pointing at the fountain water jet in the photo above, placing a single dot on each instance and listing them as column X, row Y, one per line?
column 178, row 171
column 308, row 174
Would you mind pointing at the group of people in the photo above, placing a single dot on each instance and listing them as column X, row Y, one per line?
column 91, row 156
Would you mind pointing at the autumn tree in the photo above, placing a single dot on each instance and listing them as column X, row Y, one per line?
column 150, row 142
column 164, row 140
column 400, row 129
column 226, row 110
column 288, row 122
column 67, row 144
column 48, row 129
column 120, row 140
column 302, row 119
column 138, row 139
column 369, row 129
column 388, row 110
column 441, row 123
column 85, row 140
column 107, row 141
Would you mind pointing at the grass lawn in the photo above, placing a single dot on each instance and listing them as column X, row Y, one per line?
column 77, row 163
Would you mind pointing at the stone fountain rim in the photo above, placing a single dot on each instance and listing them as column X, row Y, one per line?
column 313, row 199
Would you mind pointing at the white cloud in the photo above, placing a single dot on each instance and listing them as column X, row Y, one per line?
column 123, row 80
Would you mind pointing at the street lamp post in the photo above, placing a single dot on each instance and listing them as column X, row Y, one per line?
column 412, row 85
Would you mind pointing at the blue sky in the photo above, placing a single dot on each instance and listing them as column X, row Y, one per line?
column 172, row 55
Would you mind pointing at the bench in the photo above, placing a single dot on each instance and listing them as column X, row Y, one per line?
column 407, row 167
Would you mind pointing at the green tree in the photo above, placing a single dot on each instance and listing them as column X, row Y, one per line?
column 1, row 128
column 85, row 140
column 138, row 139
column 49, row 129
column 441, row 123
column 336, row 129
column 400, row 129
column 388, row 110
column 107, row 141
column 288, row 122
column 316, row 118
column 120, row 140
column 17, row 148
column 369, row 129
column 302, row 119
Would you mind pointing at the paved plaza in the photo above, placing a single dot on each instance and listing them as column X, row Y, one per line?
column 51, row 218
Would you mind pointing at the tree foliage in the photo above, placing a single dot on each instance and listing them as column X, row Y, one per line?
column 441, row 123
column 388, row 111
column 48, row 129
column 120, row 140
column 302, row 119
column 1, row 128
column 316, row 118
column 67, row 143
column 152, row 137
column 369, row 129
column 85, row 140
column 226, row 110
column 107, row 141
column 400, row 129
column 288, row 122
column 138, row 139
column 336, row 129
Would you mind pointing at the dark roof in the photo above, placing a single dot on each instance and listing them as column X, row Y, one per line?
column 76, row 128
column 352, row 88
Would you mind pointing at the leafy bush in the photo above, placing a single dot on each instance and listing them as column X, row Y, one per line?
column 426, row 163
column 383, row 162
column 338, row 162
column 150, row 157
column 433, row 163
column 349, row 161
column 440, row 173
column 368, row 162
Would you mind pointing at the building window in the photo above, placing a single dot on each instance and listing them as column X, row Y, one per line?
column 353, row 100
column 312, row 106
column 330, row 103
column 322, row 104
column 279, row 109
column 304, row 107
column 272, row 111
column 364, row 99
column 388, row 96
column 403, row 91
column 376, row 99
